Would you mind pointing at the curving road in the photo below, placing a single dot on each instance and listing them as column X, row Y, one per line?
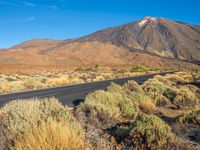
column 74, row 94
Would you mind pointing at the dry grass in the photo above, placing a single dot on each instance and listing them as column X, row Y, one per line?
column 51, row 135
column 152, row 116
column 145, row 103
column 185, row 99
column 18, row 119
column 21, row 82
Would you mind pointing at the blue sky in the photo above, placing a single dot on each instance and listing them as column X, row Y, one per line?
column 22, row 20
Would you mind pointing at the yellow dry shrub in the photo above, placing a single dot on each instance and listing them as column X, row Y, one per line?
column 76, row 81
column 19, row 117
column 4, row 88
column 147, row 107
column 58, row 81
column 51, row 136
column 99, row 78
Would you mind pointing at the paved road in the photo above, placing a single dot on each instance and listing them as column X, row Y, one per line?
column 71, row 95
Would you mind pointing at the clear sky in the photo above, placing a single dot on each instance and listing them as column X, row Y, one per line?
column 22, row 20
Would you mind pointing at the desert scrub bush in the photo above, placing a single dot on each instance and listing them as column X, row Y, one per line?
column 32, row 83
column 150, row 132
column 16, row 86
column 189, row 118
column 145, row 103
column 114, row 88
column 133, row 86
column 114, row 105
column 4, row 88
column 51, row 135
column 185, row 99
column 160, row 93
column 193, row 89
column 170, row 93
column 175, row 77
column 140, row 68
column 153, row 87
column 58, row 81
column 160, row 85
column 161, row 100
column 164, row 80
column 18, row 117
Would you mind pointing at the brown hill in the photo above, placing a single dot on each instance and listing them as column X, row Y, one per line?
column 152, row 42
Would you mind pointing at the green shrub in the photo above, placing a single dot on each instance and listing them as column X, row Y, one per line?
column 122, row 132
column 150, row 132
column 170, row 94
column 193, row 89
column 185, row 99
column 114, row 88
column 190, row 118
column 153, row 87
column 139, row 97
column 140, row 68
column 145, row 103
column 113, row 104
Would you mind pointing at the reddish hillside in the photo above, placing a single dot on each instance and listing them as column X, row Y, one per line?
column 154, row 42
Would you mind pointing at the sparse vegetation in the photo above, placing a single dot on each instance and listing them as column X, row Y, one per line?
column 190, row 118
column 35, row 123
column 150, row 132
column 162, row 113
column 20, row 82
column 51, row 135
column 113, row 104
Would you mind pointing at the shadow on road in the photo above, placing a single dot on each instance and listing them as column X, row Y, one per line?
column 77, row 102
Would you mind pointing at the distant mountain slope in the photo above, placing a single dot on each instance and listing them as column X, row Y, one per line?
column 37, row 43
column 158, row 36
column 154, row 42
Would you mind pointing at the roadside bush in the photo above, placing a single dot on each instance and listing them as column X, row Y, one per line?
column 185, row 99
column 150, row 132
column 114, row 88
column 16, row 86
column 140, row 68
column 58, row 81
column 170, row 94
column 131, row 86
column 189, row 118
column 4, row 88
column 146, row 132
column 175, row 78
column 153, row 87
column 145, row 103
column 18, row 117
column 114, row 105
column 194, row 89
column 161, row 100
column 51, row 135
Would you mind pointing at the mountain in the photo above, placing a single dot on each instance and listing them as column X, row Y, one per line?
column 158, row 36
column 154, row 42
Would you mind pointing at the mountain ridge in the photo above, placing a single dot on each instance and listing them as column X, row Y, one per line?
column 155, row 42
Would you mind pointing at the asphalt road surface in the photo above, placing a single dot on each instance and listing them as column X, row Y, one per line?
column 71, row 95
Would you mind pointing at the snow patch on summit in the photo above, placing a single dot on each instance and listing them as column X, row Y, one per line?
column 146, row 20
